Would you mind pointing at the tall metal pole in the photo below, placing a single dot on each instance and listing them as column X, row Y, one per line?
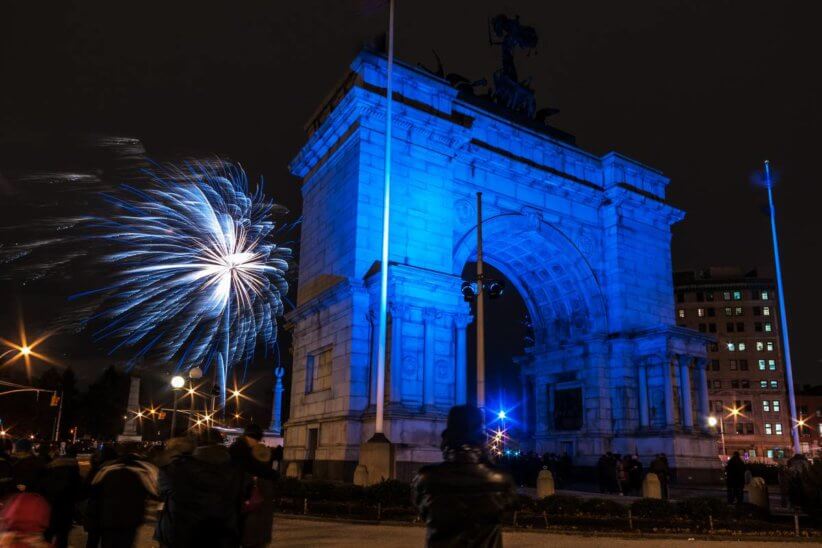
column 722, row 434
column 783, row 316
column 59, row 417
column 173, row 414
column 383, row 319
column 480, row 312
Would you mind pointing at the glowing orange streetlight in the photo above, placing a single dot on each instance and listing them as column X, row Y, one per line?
column 24, row 349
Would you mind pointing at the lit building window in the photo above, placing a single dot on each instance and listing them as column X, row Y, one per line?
column 778, row 429
column 737, row 295
column 768, row 429
column 766, row 310
column 681, row 312
column 776, row 406
column 700, row 312
column 726, row 295
column 772, row 365
column 820, row 428
column 766, row 406
column 762, row 365
column 738, row 311
column 760, row 346
column 741, row 346
column 768, row 327
column 763, row 384
column 764, row 295
column 729, row 311
column 731, row 347
column 769, row 346
column 774, row 384
column 769, row 453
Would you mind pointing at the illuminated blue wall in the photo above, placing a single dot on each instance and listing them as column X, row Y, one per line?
column 585, row 240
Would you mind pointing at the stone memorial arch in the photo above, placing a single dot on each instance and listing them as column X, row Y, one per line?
column 584, row 238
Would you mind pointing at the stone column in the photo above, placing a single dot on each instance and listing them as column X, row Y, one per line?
column 642, row 375
column 668, row 381
column 461, row 321
column 276, row 409
column 395, row 394
column 429, row 317
column 701, row 365
column 685, row 389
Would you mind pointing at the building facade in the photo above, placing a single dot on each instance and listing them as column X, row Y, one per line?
column 746, row 373
column 809, row 411
column 585, row 239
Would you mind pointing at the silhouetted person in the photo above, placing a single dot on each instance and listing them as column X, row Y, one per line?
column 735, row 478
column 635, row 475
column 27, row 468
column 255, row 460
column 117, row 499
column 463, row 498
column 203, row 495
column 61, row 486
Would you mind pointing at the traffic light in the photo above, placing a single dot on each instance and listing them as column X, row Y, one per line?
column 161, row 415
column 55, row 400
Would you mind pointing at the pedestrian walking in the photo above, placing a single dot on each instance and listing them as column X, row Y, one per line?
column 735, row 478
column 61, row 486
column 255, row 460
column 202, row 494
column 117, row 499
column 463, row 498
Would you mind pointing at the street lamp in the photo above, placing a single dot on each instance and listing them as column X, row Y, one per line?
column 195, row 373
column 712, row 422
column 177, row 382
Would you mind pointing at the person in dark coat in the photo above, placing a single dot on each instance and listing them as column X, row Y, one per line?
column 7, row 486
column 255, row 460
column 462, row 499
column 61, row 486
column 735, row 478
column 117, row 500
column 635, row 475
column 27, row 468
column 202, row 494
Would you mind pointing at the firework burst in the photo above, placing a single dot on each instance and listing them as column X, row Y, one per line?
column 196, row 277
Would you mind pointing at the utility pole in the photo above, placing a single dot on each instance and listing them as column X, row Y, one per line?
column 783, row 317
column 480, row 312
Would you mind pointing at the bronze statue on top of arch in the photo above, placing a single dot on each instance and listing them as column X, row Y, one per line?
column 509, row 92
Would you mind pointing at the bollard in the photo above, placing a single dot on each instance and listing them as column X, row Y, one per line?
column 710, row 523
column 305, row 506
column 796, row 522
column 515, row 518
column 651, row 488
column 758, row 493
column 361, row 475
column 630, row 520
column 545, row 484
column 545, row 518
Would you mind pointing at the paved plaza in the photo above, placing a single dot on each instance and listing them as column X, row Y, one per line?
column 295, row 532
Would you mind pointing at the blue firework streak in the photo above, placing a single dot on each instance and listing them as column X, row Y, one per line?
column 197, row 277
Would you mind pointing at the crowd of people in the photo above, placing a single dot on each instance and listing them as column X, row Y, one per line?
column 209, row 494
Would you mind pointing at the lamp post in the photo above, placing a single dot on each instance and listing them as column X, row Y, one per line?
column 712, row 421
column 177, row 382
column 783, row 314
column 195, row 373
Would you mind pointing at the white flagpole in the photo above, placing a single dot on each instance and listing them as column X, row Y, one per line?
column 383, row 319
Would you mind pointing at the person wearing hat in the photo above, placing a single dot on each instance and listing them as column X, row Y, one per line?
column 255, row 460
column 463, row 498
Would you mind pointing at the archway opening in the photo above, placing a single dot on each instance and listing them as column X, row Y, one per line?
column 508, row 333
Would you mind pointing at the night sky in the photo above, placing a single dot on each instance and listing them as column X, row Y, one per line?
column 704, row 91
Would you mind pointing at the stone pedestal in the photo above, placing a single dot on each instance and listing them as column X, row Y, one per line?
column 377, row 456
column 651, row 488
column 545, row 484
column 133, row 407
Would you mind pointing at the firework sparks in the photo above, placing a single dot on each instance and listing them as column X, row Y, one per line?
column 197, row 277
